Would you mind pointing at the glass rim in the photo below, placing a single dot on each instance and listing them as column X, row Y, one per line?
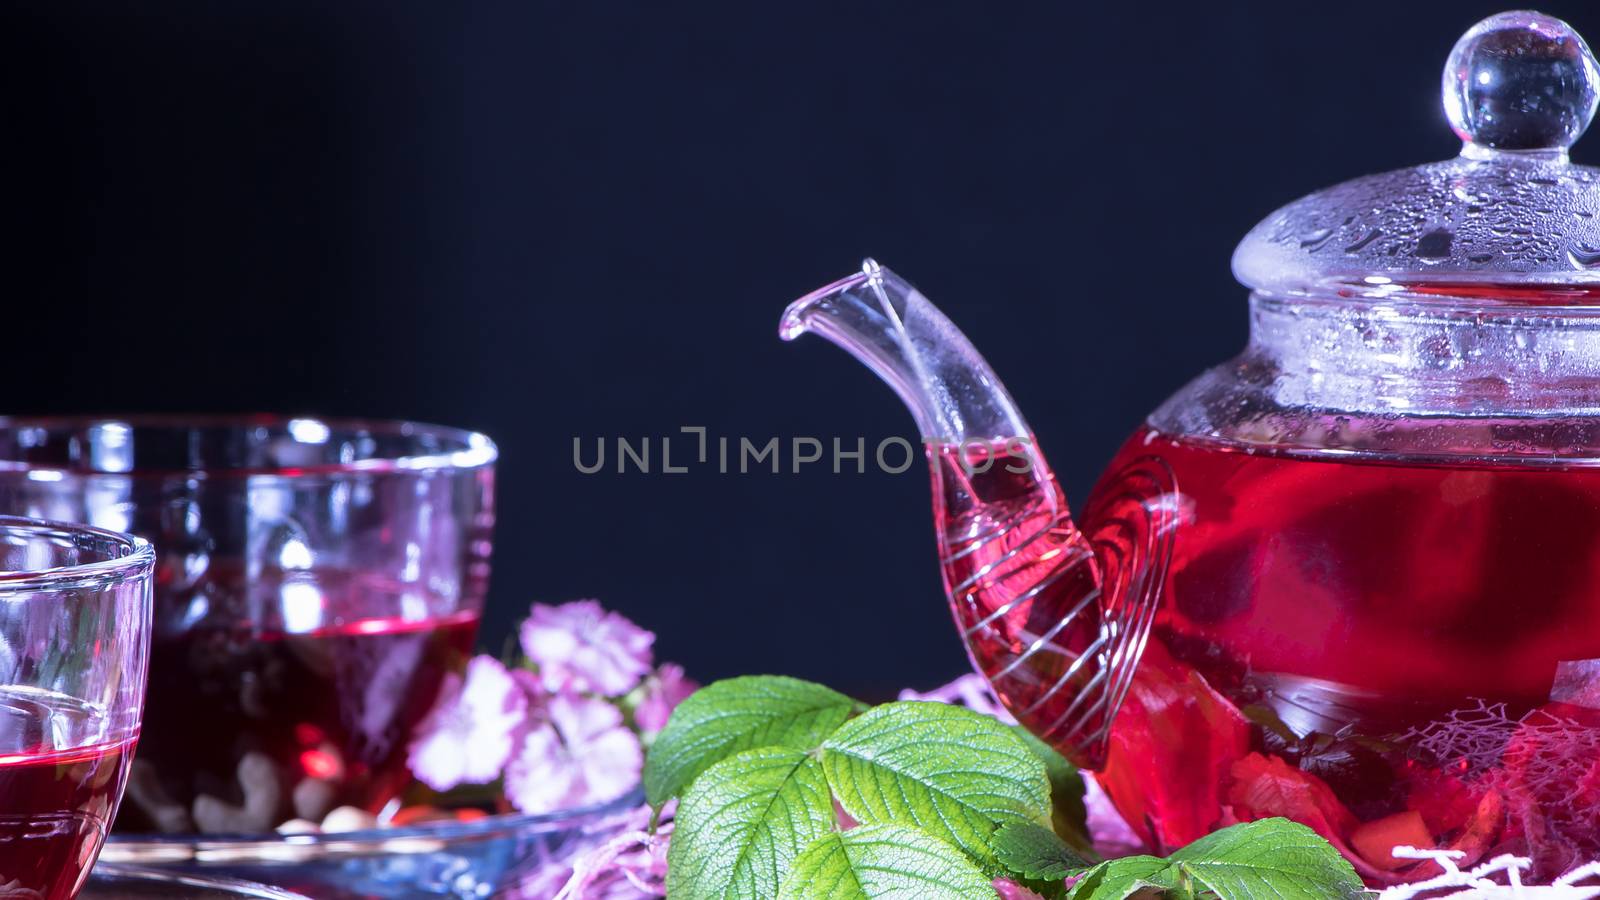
column 477, row 450
column 139, row 558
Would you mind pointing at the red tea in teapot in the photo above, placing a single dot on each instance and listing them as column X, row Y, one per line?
column 1405, row 654
column 1393, row 653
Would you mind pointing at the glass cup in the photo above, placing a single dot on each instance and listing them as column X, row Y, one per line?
column 316, row 581
column 74, row 647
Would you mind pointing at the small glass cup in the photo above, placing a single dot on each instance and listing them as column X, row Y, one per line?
column 75, row 606
column 317, row 582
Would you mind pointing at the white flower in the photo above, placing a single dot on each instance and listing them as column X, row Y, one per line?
column 469, row 735
column 580, row 646
column 583, row 754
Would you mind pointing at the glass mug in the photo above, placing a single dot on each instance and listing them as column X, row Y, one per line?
column 75, row 607
column 315, row 582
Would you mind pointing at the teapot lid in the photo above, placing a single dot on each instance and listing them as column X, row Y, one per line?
column 1509, row 219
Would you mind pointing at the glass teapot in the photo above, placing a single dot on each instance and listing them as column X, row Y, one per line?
column 1352, row 575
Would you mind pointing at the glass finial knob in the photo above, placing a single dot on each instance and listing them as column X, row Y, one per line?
column 1520, row 81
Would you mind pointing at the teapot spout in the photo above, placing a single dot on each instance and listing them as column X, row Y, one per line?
column 1028, row 590
column 884, row 322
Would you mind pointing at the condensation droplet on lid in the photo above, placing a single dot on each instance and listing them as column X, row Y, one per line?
column 1583, row 256
column 1435, row 244
column 1365, row 239
column 1315, row 239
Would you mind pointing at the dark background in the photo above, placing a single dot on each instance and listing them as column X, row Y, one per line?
column 559, row 220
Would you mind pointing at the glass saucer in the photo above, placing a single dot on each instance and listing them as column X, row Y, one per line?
column 111, row 882
column 451, row 859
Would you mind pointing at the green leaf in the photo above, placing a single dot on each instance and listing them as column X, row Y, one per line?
column 1068, row 815
column 1271, row 859
column 951, row 771
column 1034, row 851
column 1126, row 877
column 742, row 823
column 883, row 861
column 737, row 714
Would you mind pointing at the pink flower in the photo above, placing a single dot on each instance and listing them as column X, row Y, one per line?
column 1010, row 890
column 1111, row 833
column 662, row 694
column 970, row 690
column 581, row 647
column 583, row 754
column 468, row 736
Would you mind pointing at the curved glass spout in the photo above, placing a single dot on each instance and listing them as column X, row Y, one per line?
column 887, row 324
column 1054, row 620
